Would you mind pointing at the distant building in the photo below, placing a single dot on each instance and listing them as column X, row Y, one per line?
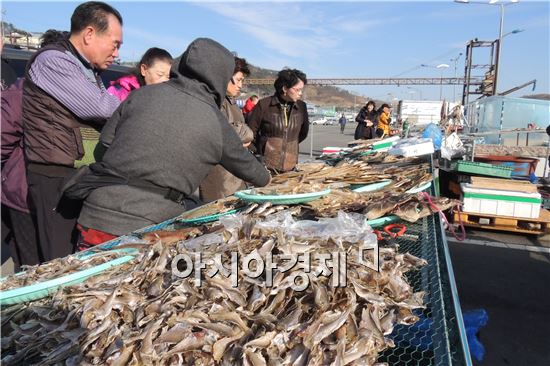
column 24, row 40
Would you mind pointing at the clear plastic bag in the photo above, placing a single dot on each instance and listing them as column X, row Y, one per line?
column 349, row 227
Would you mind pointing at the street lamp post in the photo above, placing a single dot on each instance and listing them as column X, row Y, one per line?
column 501, row 29
column 441, row 67
column 455, row 60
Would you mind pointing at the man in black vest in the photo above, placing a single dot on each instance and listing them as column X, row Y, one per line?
column 65, row 104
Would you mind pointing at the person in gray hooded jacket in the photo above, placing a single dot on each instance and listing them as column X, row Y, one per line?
column 169, row 135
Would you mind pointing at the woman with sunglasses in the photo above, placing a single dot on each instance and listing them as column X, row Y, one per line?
column 280, row 122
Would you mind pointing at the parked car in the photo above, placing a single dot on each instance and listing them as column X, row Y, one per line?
column 331, row 121
column 17, row 59
column 319, row 121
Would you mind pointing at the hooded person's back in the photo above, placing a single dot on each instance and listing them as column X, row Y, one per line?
column 170, row 134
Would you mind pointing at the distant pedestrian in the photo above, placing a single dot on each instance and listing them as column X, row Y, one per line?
column 366, row 122
column 384, row 120
column 342, row 121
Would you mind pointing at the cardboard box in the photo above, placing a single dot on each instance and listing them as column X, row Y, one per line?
column 413, row 147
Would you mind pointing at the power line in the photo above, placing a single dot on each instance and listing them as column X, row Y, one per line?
column 443, row 55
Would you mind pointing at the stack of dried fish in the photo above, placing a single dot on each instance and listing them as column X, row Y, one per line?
column 357, row 149
column 409, row 207
column 213, row 208
column 289, row 187
column 359, row 172
column 141, row 313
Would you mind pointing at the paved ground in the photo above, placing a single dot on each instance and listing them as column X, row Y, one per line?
column 512, row 286
column 320, row 136
column 505, row 274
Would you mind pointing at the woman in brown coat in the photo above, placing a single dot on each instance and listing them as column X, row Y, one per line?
column 280, row 122
column 220, row 183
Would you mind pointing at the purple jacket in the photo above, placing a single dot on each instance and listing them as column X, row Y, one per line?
column 14, row 178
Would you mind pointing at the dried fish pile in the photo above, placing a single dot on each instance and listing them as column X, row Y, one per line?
column 358, row 172
column 359, row 148
column 144, row 314
column 290, row 187
column 54, row 269
column 213, row 208
column 409, row 207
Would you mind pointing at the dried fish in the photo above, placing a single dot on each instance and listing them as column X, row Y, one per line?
column 148, row 315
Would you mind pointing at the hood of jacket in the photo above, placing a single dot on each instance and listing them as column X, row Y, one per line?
column 207, row 63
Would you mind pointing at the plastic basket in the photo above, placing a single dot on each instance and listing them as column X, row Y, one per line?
column 484, row 169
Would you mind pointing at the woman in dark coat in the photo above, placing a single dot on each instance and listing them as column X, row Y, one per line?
column 280, row 122
column 366, row 122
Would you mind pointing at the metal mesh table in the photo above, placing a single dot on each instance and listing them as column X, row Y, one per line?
column 439, row 337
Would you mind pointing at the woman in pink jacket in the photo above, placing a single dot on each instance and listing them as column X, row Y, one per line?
column 153, row 68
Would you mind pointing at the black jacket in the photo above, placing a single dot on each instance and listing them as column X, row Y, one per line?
column 362, row 131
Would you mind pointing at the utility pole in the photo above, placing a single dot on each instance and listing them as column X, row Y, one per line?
column 501, row 5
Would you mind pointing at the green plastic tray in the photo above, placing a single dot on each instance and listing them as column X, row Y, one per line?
column 484, row 169
column 209, row 218
column 43, row 289
column 281, row 199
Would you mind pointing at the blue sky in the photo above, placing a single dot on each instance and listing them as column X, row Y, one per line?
column 332, row 39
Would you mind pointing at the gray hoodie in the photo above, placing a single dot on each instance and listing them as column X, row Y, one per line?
column 171, row 134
